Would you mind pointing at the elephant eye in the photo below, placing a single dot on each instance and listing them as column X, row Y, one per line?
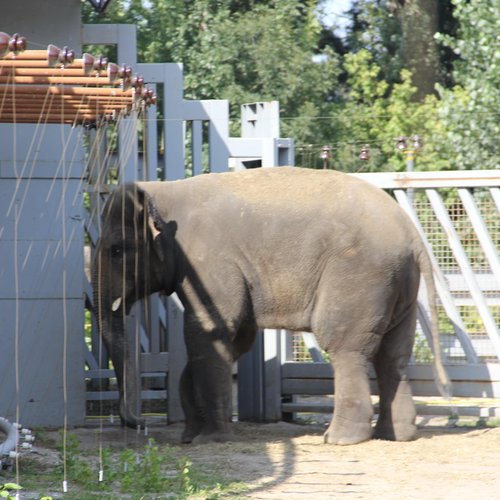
column 116, row 250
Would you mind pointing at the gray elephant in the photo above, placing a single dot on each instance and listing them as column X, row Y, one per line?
column 292, row 248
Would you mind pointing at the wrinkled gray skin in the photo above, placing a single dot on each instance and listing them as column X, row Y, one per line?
column 290, row 248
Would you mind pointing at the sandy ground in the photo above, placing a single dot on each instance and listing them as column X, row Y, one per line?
column 290, row 461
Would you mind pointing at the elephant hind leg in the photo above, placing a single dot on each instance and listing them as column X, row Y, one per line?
column 353, row 413
column 396, row 421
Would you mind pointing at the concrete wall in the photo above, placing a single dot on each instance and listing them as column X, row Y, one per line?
column 43, row 22
column 41, row 244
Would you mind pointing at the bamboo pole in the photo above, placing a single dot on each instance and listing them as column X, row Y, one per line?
column 69, row 100
column 24, row 63
column 50, row 80
column 28, row 54
column 46, row 71
column 35, row 86
column 40, row 89
column 50, row 116
column 6, row 109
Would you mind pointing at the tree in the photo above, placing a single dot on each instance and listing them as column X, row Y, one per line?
column 470, row 110
column 374, row 116
column 244, row 51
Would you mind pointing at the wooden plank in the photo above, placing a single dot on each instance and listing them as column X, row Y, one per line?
column 311, row 387
column 294, row 369
column 272, row 374
column 114, row 395
column 422, row 408
column 468, row 380
column 175, row 329
column 157, row 362
column 476, row 372
column 251, row 382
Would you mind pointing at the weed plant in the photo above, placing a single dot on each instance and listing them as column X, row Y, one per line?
column 152, row 472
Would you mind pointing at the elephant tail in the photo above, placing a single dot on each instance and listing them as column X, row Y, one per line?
column 440, row 376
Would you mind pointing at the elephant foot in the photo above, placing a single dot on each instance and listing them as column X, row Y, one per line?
column 133, row 422
column 352, row 434
column 213, row 437
column 189, row 434
column 390, row 431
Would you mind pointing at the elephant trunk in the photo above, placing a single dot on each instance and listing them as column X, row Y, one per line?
column 111, row 325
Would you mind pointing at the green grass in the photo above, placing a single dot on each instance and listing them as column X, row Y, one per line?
column 476, row 422
column 152, row 472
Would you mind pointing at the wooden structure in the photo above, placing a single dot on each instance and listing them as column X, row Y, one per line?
column 51, row 86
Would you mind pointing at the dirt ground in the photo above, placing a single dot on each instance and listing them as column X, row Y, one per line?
column 290, row 461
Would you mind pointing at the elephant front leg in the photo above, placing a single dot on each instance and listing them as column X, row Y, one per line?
column 210, row 364
column 193, row 415
column 353, row 412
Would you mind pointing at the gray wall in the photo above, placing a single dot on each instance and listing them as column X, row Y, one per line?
column 43, row 21
column 41, row 244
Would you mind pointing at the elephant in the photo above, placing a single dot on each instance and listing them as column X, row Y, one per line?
column 280, row 248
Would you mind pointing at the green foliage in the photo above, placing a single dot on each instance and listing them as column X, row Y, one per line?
column 133, row 473
column 360, row 93
column 6, row 490
column 469, row 110
column 421, row 350
column 375, row 28
column 259, row 53
column 377, row 113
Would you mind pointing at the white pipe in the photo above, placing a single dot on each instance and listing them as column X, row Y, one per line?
column 11, row 430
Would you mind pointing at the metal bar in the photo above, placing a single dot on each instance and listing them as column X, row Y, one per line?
column 481, row 230
column 313, row 347
column 495, row 194
column 441, row 286
column 463, row 262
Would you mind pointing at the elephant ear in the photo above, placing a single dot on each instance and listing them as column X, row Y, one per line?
column 159, row 229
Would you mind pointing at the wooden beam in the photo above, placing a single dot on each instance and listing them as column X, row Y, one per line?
column 51, row 80
column 55, row 90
